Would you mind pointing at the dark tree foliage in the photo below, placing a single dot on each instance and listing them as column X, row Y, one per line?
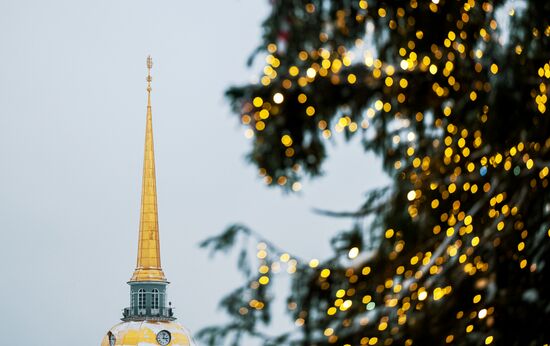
column 452, row 96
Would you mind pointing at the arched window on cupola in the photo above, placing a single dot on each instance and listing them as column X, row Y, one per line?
column 141, row 298
column 155, row 303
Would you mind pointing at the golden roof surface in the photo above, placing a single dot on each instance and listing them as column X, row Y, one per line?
column 144, row 333
column 148, row 266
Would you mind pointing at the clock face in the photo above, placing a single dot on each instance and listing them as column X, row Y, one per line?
column 164, row 337
column 112, row 339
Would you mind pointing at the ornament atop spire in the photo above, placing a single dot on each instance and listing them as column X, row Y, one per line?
column 149, row 78
column 148, row 266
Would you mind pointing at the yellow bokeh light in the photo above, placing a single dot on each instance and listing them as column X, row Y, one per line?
column 286, row 140
column 314, row 263
column 258, row 102
column 264, row 280
column 325, row 273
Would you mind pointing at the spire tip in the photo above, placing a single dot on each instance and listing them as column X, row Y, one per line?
column 149, row 67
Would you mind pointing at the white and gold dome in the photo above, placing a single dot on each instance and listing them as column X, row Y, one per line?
column 146, row 333
column 150, row 320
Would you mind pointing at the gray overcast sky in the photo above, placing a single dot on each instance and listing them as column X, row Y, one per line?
column 72, row 117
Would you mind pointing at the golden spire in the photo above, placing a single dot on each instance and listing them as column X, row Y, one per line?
column 148, row 260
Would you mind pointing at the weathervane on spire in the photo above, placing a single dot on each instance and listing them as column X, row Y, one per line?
column 149, row 67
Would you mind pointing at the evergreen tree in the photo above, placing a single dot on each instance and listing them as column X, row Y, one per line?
column 452, row 96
